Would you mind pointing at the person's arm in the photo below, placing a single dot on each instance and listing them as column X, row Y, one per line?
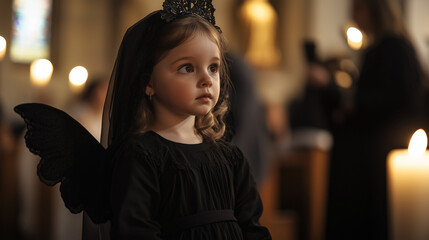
column 135, row 196
column 248, row 206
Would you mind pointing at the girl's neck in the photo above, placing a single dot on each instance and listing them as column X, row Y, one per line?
column 181, row 131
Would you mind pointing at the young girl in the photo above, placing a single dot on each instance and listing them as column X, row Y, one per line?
column 173, row 177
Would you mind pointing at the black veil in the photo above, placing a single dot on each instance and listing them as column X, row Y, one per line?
column 126, row 95
column 131, row 73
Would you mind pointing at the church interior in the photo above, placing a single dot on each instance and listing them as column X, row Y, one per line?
column 298, row 69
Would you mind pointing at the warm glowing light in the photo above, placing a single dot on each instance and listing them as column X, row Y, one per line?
column 260, row 10
column 408, row 184
column 343, row 79
column 418, row 143
column 2, row 47
column 41, row 71
column 354, row 38
column 354, row 35
column 78, row 76
column 260, row 21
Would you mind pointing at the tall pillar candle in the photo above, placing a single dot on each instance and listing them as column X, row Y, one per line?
column 408, row 182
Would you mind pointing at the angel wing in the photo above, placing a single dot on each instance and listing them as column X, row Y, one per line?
column 70, row 155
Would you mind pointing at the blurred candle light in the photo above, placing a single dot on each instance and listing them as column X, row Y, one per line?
column 77, row 78
column 2, row 47
column 354, row 38
column 41, row 72
column 408, row 181
column 260, row 21
column 343, row 79
column 259, row 9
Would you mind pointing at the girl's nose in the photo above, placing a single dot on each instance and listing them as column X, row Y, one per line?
column 205, row 80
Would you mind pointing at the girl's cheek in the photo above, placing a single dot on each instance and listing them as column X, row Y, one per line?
column 182, row 93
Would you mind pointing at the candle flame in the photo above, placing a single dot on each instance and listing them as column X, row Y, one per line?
column 354, row 38
column 418, row 143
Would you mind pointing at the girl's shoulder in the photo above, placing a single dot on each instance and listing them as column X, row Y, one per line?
column 137, row 144
column 148, row 142
column 230, row 150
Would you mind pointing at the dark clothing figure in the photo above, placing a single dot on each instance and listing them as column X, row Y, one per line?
column 246, row 126
column 315, row 108
column 390, row 86
column 387, row 106
column 156, row 182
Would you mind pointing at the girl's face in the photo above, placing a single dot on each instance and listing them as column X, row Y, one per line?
column 186, row 80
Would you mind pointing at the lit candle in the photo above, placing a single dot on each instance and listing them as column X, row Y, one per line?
column 408, row 179
column 2, row 47
column 354, row 38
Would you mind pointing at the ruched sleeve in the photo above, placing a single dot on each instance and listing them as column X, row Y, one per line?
column 135, row 194
column 248, row 207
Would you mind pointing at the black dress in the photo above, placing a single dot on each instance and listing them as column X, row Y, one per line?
column 167, row 190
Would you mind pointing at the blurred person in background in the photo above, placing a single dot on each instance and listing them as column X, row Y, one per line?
column 387, row 107
column 89, row 107
column 88, row 110
column 246, row 126
column 8, row 182
column 311, row 115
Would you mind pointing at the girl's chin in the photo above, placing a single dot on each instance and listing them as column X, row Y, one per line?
column 202, row 113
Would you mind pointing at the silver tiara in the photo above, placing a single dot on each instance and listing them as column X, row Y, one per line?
column 173, row 9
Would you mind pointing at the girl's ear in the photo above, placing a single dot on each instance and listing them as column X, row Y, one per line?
column 149, row 89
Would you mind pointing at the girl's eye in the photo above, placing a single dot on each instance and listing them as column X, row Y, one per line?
column 186, row 68
column 214, row 68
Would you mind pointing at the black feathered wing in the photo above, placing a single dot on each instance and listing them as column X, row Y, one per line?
column 70, row 155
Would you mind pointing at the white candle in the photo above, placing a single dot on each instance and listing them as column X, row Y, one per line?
column 2, row 47
column 408, row 181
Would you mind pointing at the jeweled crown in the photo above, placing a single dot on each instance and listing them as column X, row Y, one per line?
column 173, row 9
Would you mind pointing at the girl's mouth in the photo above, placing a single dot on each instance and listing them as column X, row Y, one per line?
column 205, row 97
